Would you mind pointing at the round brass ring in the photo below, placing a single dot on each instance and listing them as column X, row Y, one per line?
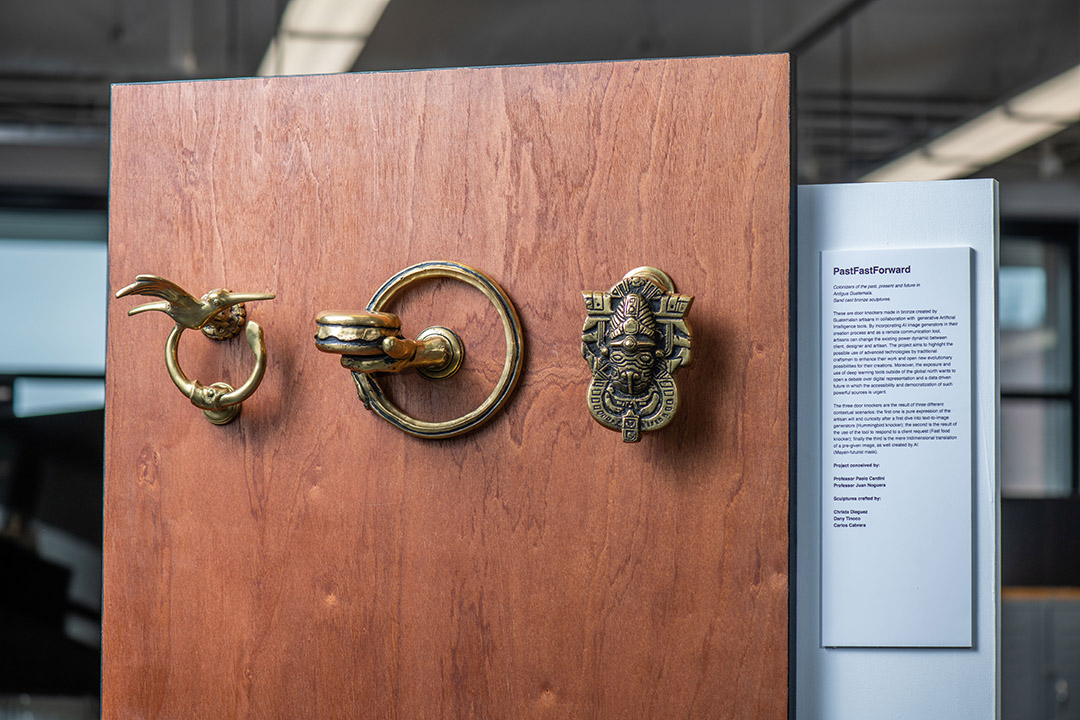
column 373, row 395
column 219, row 402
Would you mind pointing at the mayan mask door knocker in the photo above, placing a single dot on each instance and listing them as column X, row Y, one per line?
column 635, row 337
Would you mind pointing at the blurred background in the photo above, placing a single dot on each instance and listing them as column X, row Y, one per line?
column 886, row 90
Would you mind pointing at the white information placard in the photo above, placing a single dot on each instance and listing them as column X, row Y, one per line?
column 896, row 424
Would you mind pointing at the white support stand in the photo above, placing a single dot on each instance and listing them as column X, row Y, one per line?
column 863, row 683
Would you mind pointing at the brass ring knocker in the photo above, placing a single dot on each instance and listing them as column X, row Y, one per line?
column 371, row 342
column 220, row 315
column 219, row 402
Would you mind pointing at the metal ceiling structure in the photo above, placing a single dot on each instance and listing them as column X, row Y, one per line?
column 59, row 57
column 875, row 77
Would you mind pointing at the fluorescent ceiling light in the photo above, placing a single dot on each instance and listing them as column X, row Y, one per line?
column 993, row 136
column 320, row 36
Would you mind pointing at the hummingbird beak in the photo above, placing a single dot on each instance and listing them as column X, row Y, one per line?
column 162, row 306
column 235, row 298
column 132, row 288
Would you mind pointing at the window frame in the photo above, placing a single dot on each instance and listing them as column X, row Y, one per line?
column 1039, row 542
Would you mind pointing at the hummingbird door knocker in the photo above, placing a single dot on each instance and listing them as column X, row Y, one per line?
column 635, row 337
column 220, row 315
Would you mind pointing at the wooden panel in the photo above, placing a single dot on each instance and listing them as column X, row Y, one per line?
column 309, row 560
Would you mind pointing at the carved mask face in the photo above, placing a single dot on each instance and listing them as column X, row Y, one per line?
column 631, row 346
column 631, row 365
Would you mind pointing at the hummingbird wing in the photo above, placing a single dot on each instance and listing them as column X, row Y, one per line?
column 167, row 290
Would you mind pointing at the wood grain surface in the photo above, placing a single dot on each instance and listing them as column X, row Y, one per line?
column 310, row 560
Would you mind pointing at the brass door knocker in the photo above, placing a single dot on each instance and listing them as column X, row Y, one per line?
column 220, row 315
column 635, row 337
column 371, row 342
